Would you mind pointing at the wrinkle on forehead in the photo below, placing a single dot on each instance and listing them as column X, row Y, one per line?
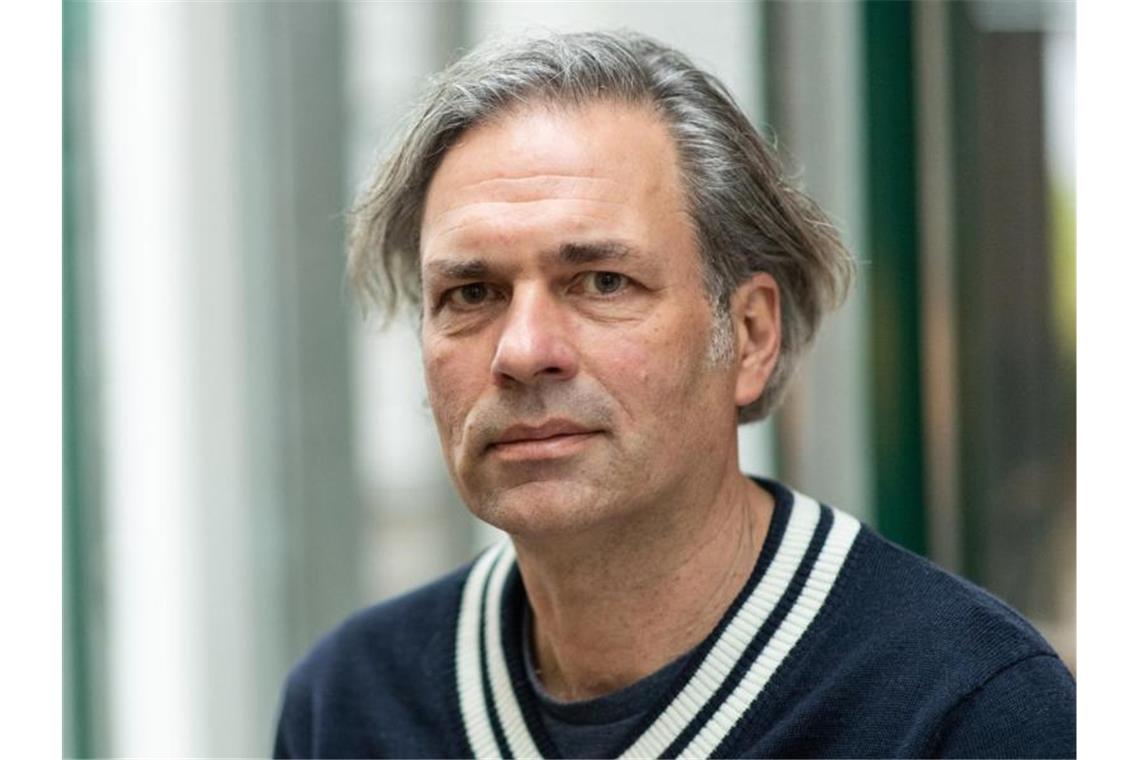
column 525, row 188
column 482, row 219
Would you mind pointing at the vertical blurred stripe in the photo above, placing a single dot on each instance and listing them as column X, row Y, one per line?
column 281, row 347
column 814, row 74
column 82, row 576
column 142, row 123
column 76, row 722
column 964, row 72
column 1017, row 411
column 894, row 273
column 306, row 538
column 938, row 282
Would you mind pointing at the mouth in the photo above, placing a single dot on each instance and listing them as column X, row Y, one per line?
column 552, row 440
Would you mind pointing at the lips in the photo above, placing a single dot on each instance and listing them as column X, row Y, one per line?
column 549, row 440
column 516, row 433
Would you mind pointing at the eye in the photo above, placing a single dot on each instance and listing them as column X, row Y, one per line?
column 467, row 296
column 604, row 283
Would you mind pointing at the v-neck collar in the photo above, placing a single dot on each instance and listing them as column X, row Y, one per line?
column 802, row 556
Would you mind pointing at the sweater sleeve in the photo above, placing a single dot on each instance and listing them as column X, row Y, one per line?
column 1028, row 709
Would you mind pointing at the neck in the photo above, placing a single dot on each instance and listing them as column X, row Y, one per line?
column 613, row 607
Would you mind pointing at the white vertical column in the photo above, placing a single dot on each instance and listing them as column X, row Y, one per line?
column 234, row 717
column 140, row 154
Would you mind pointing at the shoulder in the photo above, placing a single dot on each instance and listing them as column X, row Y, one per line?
column 975, row 675
column 1027, row 708
column 914, row 604
column 368, row 685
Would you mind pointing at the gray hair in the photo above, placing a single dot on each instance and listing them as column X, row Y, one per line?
column 748, row 217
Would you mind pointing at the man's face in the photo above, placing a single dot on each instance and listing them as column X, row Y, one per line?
column 566, row 329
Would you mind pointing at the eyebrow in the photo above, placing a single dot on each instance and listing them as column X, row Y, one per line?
column 466, row 269
column 567, row 253
column 588, row 253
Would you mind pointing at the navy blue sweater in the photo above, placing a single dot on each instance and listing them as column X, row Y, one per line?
column 841, row 644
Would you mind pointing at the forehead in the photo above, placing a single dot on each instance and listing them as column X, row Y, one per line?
column 545, row 176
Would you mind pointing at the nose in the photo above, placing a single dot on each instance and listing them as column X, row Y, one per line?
column 536, row 344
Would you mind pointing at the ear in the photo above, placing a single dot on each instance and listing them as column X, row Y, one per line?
column 756, row 316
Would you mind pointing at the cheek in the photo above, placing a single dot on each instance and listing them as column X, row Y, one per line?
column 451, row 376
column 656, row 369
column 626, row 371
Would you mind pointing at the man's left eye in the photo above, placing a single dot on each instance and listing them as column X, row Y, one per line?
column 605, row 283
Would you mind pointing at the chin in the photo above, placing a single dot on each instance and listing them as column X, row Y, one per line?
column 542, row 507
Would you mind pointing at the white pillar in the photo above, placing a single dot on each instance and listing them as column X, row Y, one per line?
column 140, row 137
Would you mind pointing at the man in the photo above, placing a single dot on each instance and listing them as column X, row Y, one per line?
column 612, row 274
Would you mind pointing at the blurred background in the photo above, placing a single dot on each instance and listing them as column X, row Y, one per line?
column 247, row 459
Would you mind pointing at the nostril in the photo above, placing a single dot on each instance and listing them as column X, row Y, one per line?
column 552, row 362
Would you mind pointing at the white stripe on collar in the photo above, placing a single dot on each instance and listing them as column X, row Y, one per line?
column 811, row 598
column 506, row 703
column 729, row 648
column 485, row 585
column 468, row 663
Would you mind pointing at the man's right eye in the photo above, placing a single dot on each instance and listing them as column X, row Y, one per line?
column 466, row 296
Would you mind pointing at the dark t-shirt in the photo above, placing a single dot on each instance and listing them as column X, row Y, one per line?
column 593, row 727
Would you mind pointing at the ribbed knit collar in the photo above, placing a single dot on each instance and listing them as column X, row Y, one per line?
column 801, row 559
